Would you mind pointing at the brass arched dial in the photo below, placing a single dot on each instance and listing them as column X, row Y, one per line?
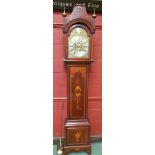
column 78, row 43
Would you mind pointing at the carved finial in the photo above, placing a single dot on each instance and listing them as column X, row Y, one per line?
column 64, row 14
column 94, row 14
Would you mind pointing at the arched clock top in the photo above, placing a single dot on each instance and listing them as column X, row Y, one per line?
column 79, row 16
column 79, row 26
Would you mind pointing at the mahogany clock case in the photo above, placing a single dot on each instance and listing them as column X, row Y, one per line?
column 77, row 125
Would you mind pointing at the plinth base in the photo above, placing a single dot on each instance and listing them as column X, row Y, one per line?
column 78, row 148
column 77, row 136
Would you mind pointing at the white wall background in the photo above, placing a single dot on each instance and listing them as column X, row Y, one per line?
column 128, row 77
column 25, row 77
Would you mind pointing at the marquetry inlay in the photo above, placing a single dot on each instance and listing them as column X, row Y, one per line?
column 77, row 91
column 78, row 135
column 77, row 94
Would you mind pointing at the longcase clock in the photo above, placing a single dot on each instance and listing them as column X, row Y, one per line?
column 78, row 30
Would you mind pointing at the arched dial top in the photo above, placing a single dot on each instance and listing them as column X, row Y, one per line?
column 78, row 43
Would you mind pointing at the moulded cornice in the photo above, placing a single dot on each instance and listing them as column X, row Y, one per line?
column 79, row 15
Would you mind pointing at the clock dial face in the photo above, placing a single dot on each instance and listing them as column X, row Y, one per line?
column 78, row 43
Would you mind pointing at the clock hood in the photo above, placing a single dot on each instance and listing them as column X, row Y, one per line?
column 79, row 15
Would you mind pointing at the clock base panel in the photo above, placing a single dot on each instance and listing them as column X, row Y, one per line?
column 77, row 136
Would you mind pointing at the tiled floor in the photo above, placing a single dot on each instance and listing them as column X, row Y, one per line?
column 96, row 150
